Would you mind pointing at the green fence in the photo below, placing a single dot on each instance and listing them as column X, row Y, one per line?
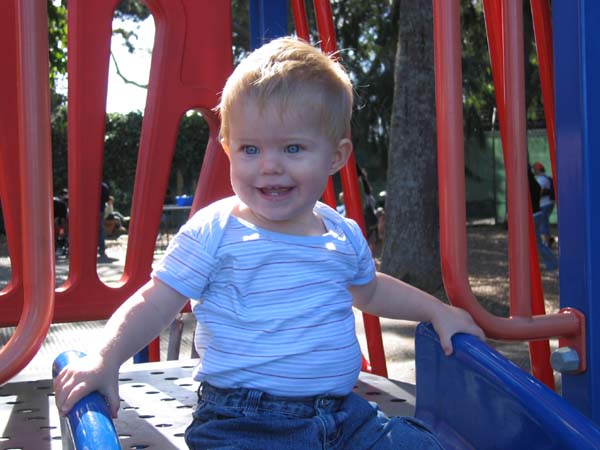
column 485, row 176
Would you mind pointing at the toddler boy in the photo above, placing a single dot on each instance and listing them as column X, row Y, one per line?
column 274, row 274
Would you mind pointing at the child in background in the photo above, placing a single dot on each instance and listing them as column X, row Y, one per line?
column 273, row 275
column 547, row 198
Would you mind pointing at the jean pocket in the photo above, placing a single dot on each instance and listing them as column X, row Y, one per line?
column 207, row 411
column 417, row 424
column 423, row 429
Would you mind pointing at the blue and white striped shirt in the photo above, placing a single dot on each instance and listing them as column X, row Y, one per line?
column 274, row 312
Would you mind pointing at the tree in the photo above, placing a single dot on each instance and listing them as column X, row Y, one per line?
column 411, row 248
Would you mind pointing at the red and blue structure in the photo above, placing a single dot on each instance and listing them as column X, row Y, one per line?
column 514, row 410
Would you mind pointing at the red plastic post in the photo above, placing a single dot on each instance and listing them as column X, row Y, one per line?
column 10, row 189
column 299, row 11
column 539, row 350
column 35, row 161
column 542, row 27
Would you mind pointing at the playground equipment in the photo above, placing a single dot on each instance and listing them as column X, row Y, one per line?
column 176, row 88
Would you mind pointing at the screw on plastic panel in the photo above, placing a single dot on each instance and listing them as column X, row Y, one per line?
column 565, row 360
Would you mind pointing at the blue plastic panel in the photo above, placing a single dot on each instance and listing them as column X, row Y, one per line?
column 478, row 399
column 268, row 20
column 577, row 71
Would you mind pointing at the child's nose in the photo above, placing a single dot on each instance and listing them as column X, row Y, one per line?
column 270, row 163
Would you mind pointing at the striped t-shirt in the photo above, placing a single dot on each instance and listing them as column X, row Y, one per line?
column 274, row 311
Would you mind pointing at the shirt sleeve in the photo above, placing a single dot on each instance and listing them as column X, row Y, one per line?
column 189, row 261
column 366, row 266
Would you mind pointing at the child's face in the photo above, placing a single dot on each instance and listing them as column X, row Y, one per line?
column 280, row 163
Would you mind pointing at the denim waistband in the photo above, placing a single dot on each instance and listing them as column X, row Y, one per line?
column 244, row 398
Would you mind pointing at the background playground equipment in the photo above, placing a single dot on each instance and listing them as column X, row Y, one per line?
column 30, row 300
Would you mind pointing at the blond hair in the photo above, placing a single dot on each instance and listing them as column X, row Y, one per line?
column 286, row 70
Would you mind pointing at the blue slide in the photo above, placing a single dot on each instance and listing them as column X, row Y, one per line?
column 478, row 399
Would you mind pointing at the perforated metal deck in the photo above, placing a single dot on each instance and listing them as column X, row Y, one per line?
column 157, row 402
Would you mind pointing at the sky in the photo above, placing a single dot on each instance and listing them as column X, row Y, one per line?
column 123, row 97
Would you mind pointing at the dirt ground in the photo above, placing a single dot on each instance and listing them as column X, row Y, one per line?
column 488, row 270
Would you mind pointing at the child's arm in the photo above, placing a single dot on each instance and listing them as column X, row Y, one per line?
column 137, row 321
column 386, row 296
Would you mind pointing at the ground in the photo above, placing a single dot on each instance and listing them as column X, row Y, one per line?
column 488, row 270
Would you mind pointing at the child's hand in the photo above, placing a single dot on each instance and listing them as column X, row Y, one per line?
column 84, row 376
column 451, row 320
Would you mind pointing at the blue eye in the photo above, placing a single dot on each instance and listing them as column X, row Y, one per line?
column 294, row 148
column 250, row 149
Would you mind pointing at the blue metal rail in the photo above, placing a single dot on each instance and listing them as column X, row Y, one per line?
column 89, row 424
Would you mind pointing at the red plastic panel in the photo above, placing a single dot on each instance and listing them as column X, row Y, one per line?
column 190, row 63
column 10, row 189
column 34, row 159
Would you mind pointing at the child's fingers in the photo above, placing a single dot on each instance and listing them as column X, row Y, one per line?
column 475, row 330
column 446, row 343
column 114, row 401
column 62, row 386
column 78, row 391
column 479, row 333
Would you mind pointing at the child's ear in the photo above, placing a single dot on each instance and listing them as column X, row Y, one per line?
column 340, row 156
column 225, row 147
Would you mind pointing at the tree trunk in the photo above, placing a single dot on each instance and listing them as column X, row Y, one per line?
column 411, row 247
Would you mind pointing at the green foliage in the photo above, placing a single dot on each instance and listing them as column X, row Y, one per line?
column 58, row 124
column 134, row 11
column 189, row 153
column 57, row 41
column 121, row 151
column 122, row 137
column 478, row 86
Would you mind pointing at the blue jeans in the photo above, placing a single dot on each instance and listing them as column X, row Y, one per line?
column 227, row 419
column 545, row 223
column 545, row 252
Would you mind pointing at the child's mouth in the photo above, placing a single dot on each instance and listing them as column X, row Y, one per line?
column 275, row 191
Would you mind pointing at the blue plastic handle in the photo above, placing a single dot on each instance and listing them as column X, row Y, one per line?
column 89, row 421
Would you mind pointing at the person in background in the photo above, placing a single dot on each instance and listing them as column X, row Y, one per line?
column 104, row 194
column 341, row 207
column 274, row 274
column 61, row 223
column 114, row 221
column 547, row 197
column 545, row 252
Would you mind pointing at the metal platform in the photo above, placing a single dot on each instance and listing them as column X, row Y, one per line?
column 157, row 401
